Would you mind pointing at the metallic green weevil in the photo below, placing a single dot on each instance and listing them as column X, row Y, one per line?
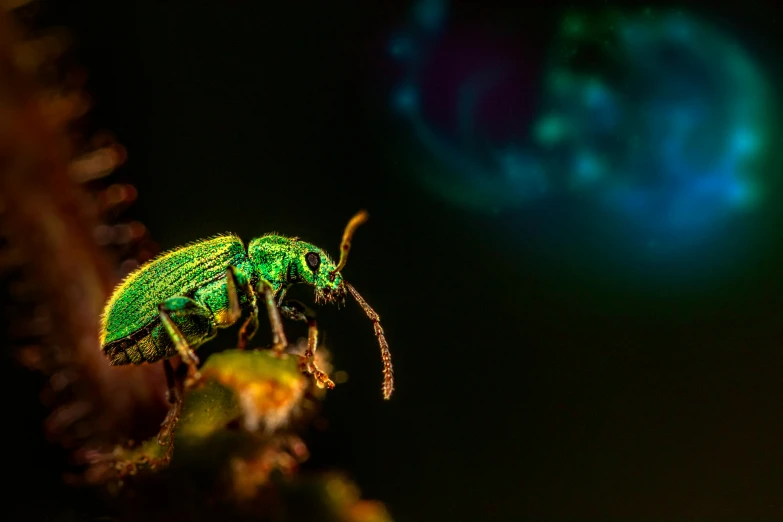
column 177, row 301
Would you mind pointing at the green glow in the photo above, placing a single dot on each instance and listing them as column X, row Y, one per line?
column 549, row 130
column 573, row 25
column 560, row 81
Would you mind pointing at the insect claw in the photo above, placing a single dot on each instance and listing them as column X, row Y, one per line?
column 279, row 349
column 193, row 359
column 323, row 381
column 193, row 379
column 165, row 435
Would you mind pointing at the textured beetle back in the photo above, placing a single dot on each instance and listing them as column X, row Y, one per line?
column 134, row 303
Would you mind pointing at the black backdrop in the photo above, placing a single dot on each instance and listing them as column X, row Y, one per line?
column 525, row 389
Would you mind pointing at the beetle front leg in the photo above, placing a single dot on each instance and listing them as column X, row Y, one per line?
column 249, row 328
column 279, row 340
column 297, row 311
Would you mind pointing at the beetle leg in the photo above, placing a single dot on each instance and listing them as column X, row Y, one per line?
column 297, row 311
column 175, row 406
column 250, row 326
column 172, row 394
column 232, row 283
column 279, row 341
column 181, row 344
column 280, row 297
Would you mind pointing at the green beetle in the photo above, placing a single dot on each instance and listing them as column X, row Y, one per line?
column 177, row 301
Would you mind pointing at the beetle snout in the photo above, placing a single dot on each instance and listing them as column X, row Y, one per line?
column 338, row 290
column 329, row 294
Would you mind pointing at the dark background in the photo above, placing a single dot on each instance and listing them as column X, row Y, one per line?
column 526, row 389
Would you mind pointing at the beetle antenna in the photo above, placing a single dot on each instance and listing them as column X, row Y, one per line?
column 388, row 373
column 345, row 244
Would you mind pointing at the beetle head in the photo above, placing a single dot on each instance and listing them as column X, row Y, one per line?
column 310, row 264
column 328, row 281
column 286, row 261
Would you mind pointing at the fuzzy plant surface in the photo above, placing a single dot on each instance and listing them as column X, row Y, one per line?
column 234, row 453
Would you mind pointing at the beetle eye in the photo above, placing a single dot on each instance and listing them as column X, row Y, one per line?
column 313, row 260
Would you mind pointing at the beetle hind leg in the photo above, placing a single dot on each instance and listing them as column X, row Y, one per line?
column 174, row 396
column 183, row 318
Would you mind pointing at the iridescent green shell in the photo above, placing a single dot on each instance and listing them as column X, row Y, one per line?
column 134, row 303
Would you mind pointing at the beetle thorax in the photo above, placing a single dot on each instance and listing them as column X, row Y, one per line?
column 285, row 261
column 270, row 255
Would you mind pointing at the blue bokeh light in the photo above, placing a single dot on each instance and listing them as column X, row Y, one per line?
column 665, row 128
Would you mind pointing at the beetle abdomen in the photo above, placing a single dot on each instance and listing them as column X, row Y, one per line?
column 152, row 343
column 128, row 351
column 133, row 305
